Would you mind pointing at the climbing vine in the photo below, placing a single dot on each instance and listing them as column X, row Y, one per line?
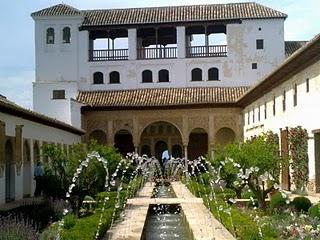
column 298, row 147
column 272, row 139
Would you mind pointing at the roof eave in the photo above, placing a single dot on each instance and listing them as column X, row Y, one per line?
column 90, row 108
column 29, row 116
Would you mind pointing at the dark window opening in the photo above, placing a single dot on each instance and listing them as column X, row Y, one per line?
column 307, row 85
column 147, row 76
column 213, row 74
column 259, row 44
column 163, row 75
column 254, row 66
column 284, row 101
column 274, row 106
column 265, row 110
column 253, row 116
column 58, row 94
column 98, row 78
column 259, row 114
column 196, row 74
column 66, row 35
column 248, row 116
column 50, row 36
column 114, row 77
column 295, row 97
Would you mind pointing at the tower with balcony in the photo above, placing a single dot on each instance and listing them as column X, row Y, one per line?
column 217, row 45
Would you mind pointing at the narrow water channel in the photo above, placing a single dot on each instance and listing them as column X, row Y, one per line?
column 164, row 221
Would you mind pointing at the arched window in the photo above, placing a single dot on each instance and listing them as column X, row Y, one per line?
column 196, row 74
column 50, row 36
column 66, row 35
column 146, row 76
column 98, row 78
column 114, row 77
column 163, row 75
column 213, row 74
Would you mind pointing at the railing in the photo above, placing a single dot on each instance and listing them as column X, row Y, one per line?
column 207, row 51
column 108, row 55
column 157, row 53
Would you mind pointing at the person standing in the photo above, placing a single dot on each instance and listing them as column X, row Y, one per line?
column 38, row 176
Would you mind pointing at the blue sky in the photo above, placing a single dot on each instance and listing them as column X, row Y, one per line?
column 17, row 38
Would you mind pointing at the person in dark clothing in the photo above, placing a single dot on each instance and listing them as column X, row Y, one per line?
column 38, row 176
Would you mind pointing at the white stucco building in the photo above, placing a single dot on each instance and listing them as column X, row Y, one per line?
column 177, row 78
column 22, row 133
column 289, row 97
column 219, row 45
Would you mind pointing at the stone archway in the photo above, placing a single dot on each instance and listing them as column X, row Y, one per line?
column 159, row 134
column 225, row 136
column 159, row 148
column 146, row 150
column 198, row 143
column 123, row 141
column 177, row 151
column 9, row 172
column 99, row 136
column 26, row 170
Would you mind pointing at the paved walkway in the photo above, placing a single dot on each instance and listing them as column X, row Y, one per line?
column 201, row 222
column 131, row 227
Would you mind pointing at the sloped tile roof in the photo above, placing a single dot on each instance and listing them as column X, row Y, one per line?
column 11, row 108
column 170, row 14
column 57, row 10
column 292, row 46
column 161, row 97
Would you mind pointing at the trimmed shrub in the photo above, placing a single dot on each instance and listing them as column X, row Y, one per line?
column 69, row 221
column 301, row 204
column 278, row 201
column 314, row 211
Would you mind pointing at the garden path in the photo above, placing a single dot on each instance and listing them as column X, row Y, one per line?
column 201, row 222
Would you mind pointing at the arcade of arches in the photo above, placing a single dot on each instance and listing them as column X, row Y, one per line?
column 182, row 132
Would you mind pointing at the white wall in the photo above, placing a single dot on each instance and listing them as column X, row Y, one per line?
column 32, row 131
column 55, row 108
column 234, row 70
column 63, row 65
column 305, row 114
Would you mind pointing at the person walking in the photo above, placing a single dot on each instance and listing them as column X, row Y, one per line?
column 38, row 176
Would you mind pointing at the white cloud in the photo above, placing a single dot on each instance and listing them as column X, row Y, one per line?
column 17, row 87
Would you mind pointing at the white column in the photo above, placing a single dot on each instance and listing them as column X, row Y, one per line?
column 132, row 43
column 181, row 42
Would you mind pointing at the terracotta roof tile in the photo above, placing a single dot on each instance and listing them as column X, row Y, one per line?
column 57, row 10
column 169, row 14
column 161, row 97
column 11, row 108
column 292, row 46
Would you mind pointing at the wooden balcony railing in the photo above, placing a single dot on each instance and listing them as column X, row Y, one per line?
column 157, row 53
column 207, row 51
column 108, row 55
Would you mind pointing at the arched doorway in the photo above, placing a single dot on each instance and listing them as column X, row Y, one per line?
column 198, row 143
column 146, row 150
column 26, row 170
column 176, row 151
column 99, row 136
column 123, row 141
column 225, row 136
column 10, row 172
column 160, row 147
column 160, row 136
